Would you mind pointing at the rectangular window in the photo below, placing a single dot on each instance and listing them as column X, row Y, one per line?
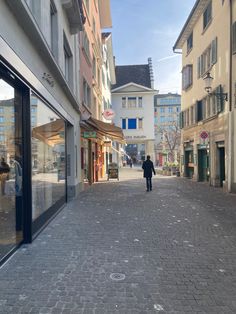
column 132, row 124
column 123, row 102
column 86, row 94
column 162, row 119
column 234, row 37
column 2, row 138
column 207, row 59
column 131, row 102
column 190, row 42
column 140, row 102
column 123, row 124
column 207, row 15
column 86, row 46
column 48, row 159
column 68, row 62
column 54, row 29
column 187, row 76
column 1, row 110
column 170, row 109
column 162, row 110
column 1, row 119
column 140, row 123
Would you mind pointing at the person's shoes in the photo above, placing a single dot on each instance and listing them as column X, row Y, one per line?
column 150, row 189
column 147, row 190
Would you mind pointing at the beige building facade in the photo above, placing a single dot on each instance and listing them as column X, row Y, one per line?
column 206, row 114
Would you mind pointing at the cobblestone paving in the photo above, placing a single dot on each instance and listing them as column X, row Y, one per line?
column 121, row 250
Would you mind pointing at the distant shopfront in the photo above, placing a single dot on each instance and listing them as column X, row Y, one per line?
column 33, row 161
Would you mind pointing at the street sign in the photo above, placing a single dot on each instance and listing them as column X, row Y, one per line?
column 204, row 135
column 89, row 134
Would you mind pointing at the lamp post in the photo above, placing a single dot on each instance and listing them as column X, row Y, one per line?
column 208, row 88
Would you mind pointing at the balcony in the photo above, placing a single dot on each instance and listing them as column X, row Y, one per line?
column 75, row 15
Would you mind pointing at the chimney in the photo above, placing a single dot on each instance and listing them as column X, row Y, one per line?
column 151, row 72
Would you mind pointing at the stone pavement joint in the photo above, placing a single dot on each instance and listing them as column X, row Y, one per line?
column 174, row 245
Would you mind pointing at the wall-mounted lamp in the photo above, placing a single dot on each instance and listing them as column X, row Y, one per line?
column 208, row 82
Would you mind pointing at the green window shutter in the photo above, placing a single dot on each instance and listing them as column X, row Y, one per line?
column 181, row 120
column 214, row 51
column 199, row 111
column 219, row 101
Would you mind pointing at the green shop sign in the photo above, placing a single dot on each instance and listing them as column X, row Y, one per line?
column 89, row 134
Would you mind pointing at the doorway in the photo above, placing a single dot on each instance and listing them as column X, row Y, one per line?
column 202, row 165
column 221, row 154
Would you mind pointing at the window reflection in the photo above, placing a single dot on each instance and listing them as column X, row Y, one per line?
column 10, row 180
column 48, row 157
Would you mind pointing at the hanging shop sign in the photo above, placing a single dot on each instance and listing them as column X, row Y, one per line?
column 89, row 134
column 108, row 114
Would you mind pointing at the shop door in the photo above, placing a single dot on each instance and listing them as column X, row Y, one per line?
column 202, row 165
column 222, row 164
column 11, row 209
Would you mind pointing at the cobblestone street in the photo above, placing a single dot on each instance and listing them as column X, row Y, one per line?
column 118, row 249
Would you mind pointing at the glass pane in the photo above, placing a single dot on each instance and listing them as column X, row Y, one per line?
column 48, row 157
column 10, row 168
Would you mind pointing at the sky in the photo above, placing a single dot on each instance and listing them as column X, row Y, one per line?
column 150, row 28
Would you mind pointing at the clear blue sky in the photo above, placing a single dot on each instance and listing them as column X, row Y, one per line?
column 149, row 28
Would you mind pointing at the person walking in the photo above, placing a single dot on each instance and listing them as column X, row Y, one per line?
column 148, row 169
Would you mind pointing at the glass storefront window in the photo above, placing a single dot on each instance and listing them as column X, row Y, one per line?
column 48, row 157
column 11, row 210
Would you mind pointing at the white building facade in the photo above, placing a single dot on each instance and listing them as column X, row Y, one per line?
column 133, row 103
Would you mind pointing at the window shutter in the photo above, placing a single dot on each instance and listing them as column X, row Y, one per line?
column 198, row 67
column 219, row 101
column 181, row 122
column 199, row 110
column 214, row 51
column 234, row 37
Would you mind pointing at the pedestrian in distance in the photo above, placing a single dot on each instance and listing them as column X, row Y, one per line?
column 148, row 169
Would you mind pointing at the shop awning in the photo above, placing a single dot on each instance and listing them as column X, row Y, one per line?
column 104, row 129
column 51, row 133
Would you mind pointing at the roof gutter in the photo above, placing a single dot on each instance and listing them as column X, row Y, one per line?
column 185, row 25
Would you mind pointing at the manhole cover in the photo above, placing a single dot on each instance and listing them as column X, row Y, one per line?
column 117, row 276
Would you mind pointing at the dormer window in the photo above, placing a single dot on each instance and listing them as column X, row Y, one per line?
column 207, row 15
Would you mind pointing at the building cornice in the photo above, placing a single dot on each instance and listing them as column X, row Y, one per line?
column 144, row 89
column 193, row 17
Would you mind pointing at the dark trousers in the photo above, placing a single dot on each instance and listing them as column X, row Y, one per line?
column 149, row 183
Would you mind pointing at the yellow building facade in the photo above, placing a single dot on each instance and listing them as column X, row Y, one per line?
column 207, row 114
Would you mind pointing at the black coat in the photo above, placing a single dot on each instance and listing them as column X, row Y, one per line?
column 148, row 168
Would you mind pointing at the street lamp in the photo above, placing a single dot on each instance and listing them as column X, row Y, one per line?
column 208, row 82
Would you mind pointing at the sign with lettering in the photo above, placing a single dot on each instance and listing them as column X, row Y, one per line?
column 89, row 134
column 108, row 114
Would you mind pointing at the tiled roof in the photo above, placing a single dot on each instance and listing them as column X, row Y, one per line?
column 138, row 74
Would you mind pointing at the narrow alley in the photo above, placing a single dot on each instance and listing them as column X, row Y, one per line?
column 121, row 250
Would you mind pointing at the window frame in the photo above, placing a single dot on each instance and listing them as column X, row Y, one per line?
column 207, row 15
